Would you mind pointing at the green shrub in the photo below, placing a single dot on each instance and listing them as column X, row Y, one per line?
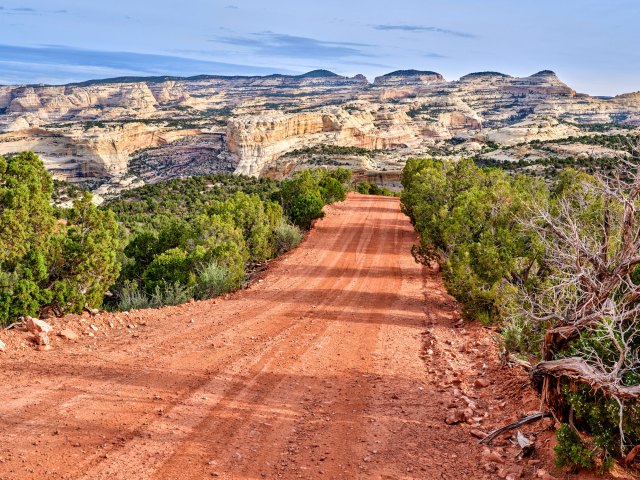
column 170, row 267
column 132, row 298
column 287, row 237
column 600, row 416
column 170, row 294
column 343, row 175
column 332, row 190
column 466, row 218
column 213, row 280
column 570, row 450
column 306, row 209
column 523, row 337
column 367, row 188
column 60, row 259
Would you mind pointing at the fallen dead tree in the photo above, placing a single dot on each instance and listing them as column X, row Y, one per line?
column 589, row 298
column 578, row 370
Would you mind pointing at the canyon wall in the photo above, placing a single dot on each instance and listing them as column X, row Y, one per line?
column 95, row 129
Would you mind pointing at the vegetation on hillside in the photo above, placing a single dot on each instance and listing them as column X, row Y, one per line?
column 368, row 188
column 332, row 150
column 156, row 245
column 58, row 260
column 555, row 265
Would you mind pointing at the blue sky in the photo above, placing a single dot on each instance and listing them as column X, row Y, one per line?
column 592, row 45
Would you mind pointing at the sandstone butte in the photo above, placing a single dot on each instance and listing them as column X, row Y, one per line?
column 131, row 131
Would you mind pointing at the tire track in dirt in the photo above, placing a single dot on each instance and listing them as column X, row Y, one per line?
column 266, row 387
column 213, row 398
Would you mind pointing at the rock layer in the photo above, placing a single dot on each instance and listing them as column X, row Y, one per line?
column 94, row 129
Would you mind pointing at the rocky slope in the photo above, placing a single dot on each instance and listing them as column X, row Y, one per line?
column 100, row 129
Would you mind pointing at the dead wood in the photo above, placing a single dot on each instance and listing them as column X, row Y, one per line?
column 512, row 426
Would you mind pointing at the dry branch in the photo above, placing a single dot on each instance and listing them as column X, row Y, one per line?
column 512, row 426
column 578, row 370
column 590, row 234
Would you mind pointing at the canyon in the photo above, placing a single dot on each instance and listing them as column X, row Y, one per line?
column 117, row 133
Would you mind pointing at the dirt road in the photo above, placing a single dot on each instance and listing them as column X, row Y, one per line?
column 340, row 362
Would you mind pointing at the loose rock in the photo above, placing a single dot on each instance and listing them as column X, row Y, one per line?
column 68, row 334
column 481, row 383
column 495, row 457
column 35, row 325
column 455, row 416
column 41, row 338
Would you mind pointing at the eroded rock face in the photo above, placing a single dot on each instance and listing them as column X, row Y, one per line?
column 213, row 123
column 257, row 141
column 79, row 154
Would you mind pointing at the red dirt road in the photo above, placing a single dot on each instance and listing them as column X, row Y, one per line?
column 340, row 362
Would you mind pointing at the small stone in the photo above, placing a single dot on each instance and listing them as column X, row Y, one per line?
column 93, row 327
column 68, row 334
column 481, row 383
column 3, row 346
column 495, row 457
column 41, row 338
column 44, row 348
column 35, row 325
column 516, row 471
column 455, row 416
column 490, row 467
column 477, row 433
column 468, row 415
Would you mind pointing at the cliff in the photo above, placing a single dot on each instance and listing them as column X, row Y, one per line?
column 95, row 129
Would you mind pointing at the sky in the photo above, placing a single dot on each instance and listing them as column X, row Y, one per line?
column 593, row 45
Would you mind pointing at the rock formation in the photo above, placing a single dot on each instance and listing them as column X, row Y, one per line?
column 166, row 126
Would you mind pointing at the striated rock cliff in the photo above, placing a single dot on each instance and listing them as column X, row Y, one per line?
column 78, row 155
column 257, row 141
column 94, row 129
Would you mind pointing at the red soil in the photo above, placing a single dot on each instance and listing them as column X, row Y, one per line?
column 341, row 361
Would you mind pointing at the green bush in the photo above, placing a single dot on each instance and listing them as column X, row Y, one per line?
column 60, row 259
column 570, row 450
column 287, row 237
column 213, row 280
column 306, row 209
column 170, row 294
column 332, row 190
column 524, row 337
column 132, row 298
column 466, row 218
column 367, row 188
column 171, row 267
